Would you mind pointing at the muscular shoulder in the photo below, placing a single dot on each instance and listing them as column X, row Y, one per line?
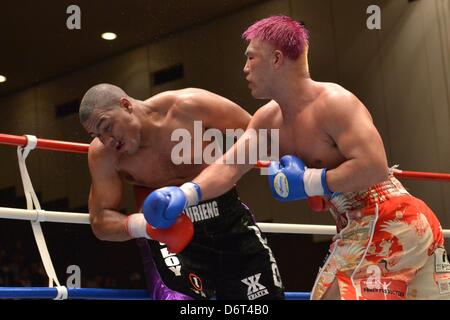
column 180, row 102
column 214, row 110
column 193, row 99
column 185, row 97
column 336, row 95
column 336, row 102
column 340, row 109
column 267, row 115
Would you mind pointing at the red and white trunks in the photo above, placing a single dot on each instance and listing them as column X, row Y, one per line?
column 389, row 246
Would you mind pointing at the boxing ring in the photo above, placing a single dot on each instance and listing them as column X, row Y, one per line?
column 35, row 214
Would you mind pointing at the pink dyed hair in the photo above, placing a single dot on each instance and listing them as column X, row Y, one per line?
column 284, row 32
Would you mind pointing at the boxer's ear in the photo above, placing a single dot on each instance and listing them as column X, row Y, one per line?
column 126, row 104
column 278, row 58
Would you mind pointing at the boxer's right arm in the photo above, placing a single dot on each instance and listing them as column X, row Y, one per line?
column 222, row 175
column 105, row 196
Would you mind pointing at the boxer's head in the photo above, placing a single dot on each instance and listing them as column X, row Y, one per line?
column 108, row 113
column 276, row 44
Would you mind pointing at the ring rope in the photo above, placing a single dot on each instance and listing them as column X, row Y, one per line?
column 83, row 218
column 65, row 146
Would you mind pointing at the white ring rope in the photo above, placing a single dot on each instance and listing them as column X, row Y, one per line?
column 296, row 228
column 83, row 218
column 47, row 216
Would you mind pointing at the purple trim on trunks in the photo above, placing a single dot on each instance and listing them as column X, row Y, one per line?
column 158, row 290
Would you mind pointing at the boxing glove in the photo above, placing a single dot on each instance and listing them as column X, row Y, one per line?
column 318, row 203
column 176, row 237
column 291, row 180
column 163, row 206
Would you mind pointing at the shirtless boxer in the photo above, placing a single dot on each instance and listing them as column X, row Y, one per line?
column 228, row 257
column 389, row 244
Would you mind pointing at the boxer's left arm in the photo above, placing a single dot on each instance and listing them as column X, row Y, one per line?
column 217, row 112
column 163, row 206
column 226, row 171
column 350, row 126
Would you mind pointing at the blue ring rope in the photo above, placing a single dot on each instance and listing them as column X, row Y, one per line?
column 98, row 294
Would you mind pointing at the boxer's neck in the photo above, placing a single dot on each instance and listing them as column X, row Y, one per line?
column 294, row 95
column 149, row 117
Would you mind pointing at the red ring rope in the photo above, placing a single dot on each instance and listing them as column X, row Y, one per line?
column 58, row 145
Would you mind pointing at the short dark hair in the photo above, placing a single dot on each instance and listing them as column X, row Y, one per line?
column 104, row 96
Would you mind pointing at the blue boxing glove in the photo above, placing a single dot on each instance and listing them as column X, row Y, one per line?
column 291, row 180
column 163, row 206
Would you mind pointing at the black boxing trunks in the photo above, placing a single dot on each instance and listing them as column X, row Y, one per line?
column 228, row 257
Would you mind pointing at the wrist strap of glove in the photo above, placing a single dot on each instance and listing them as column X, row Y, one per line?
column 136, row 226
column 192, row 192
column 315, row 182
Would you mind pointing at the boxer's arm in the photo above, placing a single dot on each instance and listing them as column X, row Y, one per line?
column 222, row 175
column 109, row 224
column 350, row 125
column 105, row 196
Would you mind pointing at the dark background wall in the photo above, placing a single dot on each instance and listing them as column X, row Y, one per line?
column 400, row 72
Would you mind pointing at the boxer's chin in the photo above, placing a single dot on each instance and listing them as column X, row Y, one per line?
column 257, row 94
